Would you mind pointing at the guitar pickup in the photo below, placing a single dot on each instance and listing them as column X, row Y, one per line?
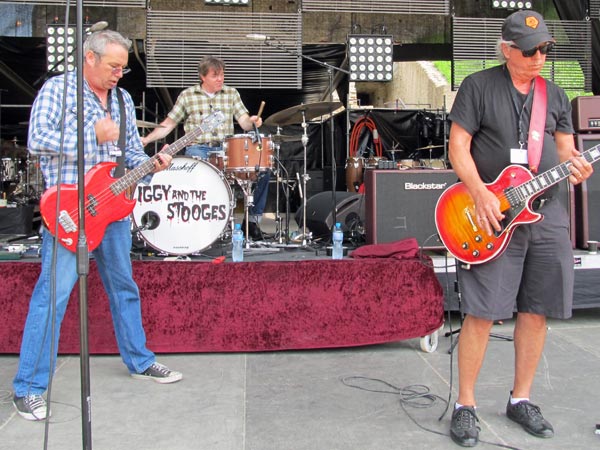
column 91, row 206
column 66, row 222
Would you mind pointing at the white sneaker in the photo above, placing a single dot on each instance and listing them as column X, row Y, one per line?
column 31, row 407
column 159, row 373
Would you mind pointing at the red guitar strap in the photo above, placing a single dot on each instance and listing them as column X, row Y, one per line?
column 535, row 141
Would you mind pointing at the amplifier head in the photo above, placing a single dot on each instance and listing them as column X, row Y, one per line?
column 586, row 113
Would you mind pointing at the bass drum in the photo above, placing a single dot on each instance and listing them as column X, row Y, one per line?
column 185, row 208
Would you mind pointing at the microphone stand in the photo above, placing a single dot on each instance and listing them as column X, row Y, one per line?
column 330, row 68
column 82, row 247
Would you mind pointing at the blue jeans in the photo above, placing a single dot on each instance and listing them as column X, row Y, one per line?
column 114, row 266
column 261, row 191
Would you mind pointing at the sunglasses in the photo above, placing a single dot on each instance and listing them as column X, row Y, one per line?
column 544, row 49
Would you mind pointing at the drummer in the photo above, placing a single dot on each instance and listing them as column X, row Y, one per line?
column 197, row 102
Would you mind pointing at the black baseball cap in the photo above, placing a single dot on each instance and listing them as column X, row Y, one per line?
column 526, row 29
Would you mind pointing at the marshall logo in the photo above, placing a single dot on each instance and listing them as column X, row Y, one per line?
column 409, row 186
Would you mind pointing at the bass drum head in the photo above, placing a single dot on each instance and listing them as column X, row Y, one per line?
column 185, row 208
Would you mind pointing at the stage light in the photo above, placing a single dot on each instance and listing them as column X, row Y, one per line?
column 370, row 57
column 59, row 37
column 228, row 2
column 511, row 4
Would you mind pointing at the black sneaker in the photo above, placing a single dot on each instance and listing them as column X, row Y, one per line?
column 530, row 418
column 464, row 428
column 31, row 407
column 159, row 373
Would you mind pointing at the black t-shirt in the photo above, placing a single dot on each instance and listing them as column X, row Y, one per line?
column 487, row 106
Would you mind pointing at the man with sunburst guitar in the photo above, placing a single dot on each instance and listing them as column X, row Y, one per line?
column 511, row 142
column 105, row 62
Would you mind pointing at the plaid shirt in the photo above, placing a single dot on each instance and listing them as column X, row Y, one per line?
column 45, row 130
column 193, row 103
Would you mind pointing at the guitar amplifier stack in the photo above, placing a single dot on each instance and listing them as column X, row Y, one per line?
column 586, row 121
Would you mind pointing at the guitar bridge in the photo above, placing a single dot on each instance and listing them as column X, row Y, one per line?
column 66, row 222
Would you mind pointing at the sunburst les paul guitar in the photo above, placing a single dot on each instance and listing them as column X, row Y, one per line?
column 105, row 196
column 516, row 188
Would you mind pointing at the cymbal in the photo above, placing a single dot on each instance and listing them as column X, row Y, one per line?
column 278, row 138
column 144, row 124
column 428, row 147
column 295, row 114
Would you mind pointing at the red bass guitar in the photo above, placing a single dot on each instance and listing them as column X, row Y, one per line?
column 515, row 188
column 105, row 196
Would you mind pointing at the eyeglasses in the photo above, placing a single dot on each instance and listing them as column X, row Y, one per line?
column 123, row 70
column 544, row 49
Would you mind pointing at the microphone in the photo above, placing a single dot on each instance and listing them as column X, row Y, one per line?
column 258, row 37
column 97, row 27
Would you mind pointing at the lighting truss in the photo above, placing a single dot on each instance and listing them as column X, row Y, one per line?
column 511, row 4
column 370, row 57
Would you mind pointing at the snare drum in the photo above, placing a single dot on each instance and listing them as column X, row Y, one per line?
column 247, row 156
column 185, row 208
column 354, row 173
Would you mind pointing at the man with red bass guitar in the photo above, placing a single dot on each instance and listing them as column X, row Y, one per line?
column 52, row 127
column 495, row 125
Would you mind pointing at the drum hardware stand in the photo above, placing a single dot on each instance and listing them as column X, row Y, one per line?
column 305, row 178
column 279, row 168
column 278, row 45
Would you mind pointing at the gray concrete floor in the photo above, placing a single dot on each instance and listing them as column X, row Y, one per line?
column 300, row 400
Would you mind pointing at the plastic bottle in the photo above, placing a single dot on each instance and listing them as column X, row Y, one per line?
column 338, row 239
column 237, row 241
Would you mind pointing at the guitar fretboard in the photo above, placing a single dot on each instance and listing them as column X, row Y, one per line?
column 522, row 193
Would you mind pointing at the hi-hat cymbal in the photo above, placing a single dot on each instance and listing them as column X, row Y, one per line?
column 278, row 138
column 144, row 124
column 429, row 147
column 296, row 114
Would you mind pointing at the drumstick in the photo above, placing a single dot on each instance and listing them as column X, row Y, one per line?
column 260, row 109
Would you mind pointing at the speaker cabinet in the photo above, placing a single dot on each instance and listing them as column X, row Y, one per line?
column 349, row 207
column 401, row 204
column 587, row 198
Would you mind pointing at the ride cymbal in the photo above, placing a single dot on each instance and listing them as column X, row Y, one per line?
column 296, row 114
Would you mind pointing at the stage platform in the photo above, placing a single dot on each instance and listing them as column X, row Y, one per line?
column 283, row 296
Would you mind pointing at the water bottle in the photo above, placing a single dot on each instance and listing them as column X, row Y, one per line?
column 338, row 239
column 237, row 241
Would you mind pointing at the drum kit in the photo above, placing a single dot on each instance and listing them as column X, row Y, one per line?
column 21, row 180
column 189, row 206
